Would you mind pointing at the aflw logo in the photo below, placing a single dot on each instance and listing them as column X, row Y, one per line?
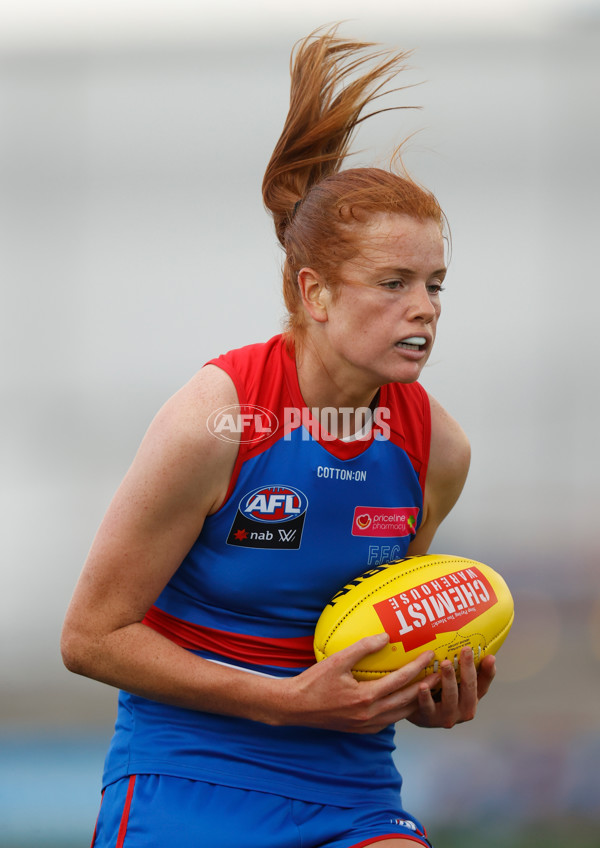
column 269, row 517
column 286, row 535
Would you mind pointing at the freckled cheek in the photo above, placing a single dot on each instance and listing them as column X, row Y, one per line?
column 363, row 320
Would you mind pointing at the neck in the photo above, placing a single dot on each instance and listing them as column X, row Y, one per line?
column 325, row 386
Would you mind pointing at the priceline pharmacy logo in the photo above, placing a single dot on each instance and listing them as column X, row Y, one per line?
column 248, row 424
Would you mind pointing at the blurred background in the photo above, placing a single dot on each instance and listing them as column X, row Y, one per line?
column 134, row 247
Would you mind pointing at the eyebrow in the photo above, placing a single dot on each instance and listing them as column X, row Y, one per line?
column 441, row 272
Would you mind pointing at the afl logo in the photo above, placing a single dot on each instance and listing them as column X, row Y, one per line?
column 273, row 504
column 242, row 423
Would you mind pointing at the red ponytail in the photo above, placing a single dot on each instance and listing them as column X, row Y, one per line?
column 315, row 205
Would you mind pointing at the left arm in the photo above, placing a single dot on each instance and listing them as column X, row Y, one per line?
column 449, row 460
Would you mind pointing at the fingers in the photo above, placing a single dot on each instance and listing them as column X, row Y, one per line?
column 399, row 695
column 402, row 676
column 449, row 705
column 427, row 705
column 487, row 672
column 348, row 657
column 468, row 695
column 459, row 702
column 387, row 699
column 454, row 703
column 402, row 702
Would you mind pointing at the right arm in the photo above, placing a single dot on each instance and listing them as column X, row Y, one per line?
column 179, row 476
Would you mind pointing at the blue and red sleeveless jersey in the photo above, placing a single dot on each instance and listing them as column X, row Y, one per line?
column 304, row 514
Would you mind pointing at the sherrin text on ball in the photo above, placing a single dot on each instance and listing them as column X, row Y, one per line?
column 436, row 603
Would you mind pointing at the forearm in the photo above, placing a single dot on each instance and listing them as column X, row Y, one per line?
column 139, row 660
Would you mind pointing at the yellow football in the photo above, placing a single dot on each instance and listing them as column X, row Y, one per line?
column 436, row 603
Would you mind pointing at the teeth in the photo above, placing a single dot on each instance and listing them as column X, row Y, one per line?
column 416, row 340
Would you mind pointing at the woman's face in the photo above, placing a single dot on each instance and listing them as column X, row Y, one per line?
column 381, row 320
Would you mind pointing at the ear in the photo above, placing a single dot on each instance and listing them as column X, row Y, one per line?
column 315, row 294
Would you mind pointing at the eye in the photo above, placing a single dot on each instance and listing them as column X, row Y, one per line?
column 435, row 288
column 392, row 285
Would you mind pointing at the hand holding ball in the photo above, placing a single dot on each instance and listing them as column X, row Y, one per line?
column 433, row 603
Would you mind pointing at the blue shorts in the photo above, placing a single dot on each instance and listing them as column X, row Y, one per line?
column 154, row 811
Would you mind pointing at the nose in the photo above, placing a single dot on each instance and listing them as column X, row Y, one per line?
column 421, row 306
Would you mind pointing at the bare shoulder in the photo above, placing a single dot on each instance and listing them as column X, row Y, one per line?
column 209, row 389
column 179, row 444
column 450, row 452
column 449, row 459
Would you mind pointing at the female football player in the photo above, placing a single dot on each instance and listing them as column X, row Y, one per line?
column 254, row 497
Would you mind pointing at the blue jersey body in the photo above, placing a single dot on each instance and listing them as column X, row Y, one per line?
column 303, row 516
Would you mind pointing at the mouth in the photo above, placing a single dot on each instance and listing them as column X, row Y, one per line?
column 416, row 343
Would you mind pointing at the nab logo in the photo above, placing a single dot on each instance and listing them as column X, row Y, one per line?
column 269, row 517
column 274, row 503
